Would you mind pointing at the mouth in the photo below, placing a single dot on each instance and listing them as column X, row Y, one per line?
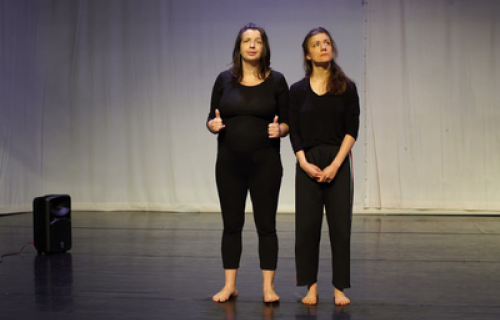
column 251, row 53
column 324, row 54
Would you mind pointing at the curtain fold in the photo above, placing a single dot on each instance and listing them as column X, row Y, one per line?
column 107, row 100
column 433, row 108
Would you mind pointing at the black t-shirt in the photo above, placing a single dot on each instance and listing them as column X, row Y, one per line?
column 247, row 111
column 325, row 119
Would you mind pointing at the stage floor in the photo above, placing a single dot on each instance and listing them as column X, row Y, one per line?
column 151, row 265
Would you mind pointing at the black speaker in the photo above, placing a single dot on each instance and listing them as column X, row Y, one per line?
column 52, row 223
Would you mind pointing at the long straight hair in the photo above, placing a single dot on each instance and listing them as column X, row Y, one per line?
column 337, row 81
column 265, row 57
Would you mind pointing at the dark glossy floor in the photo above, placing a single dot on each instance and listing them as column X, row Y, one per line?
column 167, row 266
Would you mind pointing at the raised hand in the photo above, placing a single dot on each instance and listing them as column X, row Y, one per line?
column 215, row 125
column 274, row 129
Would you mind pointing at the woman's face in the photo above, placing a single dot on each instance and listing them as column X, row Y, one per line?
column 251, row 45
column 320, row 48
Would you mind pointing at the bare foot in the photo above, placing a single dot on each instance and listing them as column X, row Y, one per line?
column 340, row 298
column 311, row 299
column 225, row 294
column 270, row 295
column 268, row 286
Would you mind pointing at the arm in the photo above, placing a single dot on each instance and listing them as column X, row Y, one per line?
column 294, row 118
column 283, row 106
column 284, row 129
column 329, row 172
column 351, row 121
column 312, row 170
column 214, row 121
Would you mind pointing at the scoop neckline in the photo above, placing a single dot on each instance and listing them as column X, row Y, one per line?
column 269, row 76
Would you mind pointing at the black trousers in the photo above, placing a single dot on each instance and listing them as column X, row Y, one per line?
column 311, row 198
column 260, row 173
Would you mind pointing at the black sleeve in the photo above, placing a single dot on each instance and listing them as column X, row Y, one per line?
column 283, row 99
column 352, row 112
column 294, row 114
column 216, row 96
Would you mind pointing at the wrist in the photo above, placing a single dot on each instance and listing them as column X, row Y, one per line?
column 335, row 164
column 303, row 162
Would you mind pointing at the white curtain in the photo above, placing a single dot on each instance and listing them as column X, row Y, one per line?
column 107, row 100
column 433, row 104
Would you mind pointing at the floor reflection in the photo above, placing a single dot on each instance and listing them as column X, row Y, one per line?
column 341, row 313
column 229, row 308
column 268, row 310
column 423, row 267
column 311, row 313
column 53, row 282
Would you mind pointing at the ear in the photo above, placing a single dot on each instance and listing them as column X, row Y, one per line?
column 308, row 57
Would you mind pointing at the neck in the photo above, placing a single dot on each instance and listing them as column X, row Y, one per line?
column 320, row 72
column 250, row 68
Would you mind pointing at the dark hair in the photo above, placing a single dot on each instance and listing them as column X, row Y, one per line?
column 265, row 58
column 337, row 80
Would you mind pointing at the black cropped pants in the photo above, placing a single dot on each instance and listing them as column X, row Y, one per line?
column 260, row 173
column 311, row 198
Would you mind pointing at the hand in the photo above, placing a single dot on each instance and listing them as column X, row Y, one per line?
column 312, row 171
column 328, row 173
column 215, row 125
column 273, row 129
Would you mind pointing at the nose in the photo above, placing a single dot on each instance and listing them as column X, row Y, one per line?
column 323, row 46
column 252, row 44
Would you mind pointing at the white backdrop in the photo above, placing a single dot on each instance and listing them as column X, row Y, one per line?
column 433, row 104
column 107, row 100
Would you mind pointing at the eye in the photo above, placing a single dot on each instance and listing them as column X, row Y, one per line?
column 259, row 42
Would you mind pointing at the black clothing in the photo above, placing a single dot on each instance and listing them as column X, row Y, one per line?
column 336, row 198
column 248, row 160
column 318, row 125
column 247, row 111
column 326, row 119
column 260, row 172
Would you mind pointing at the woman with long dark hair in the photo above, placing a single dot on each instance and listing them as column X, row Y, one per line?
column 324, row 123
column 249, row 112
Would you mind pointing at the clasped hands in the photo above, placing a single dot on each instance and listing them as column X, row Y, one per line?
column 326, row 175
column 215, row 125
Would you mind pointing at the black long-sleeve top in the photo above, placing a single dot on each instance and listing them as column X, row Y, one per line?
column 247, row 111
column 325, row 119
